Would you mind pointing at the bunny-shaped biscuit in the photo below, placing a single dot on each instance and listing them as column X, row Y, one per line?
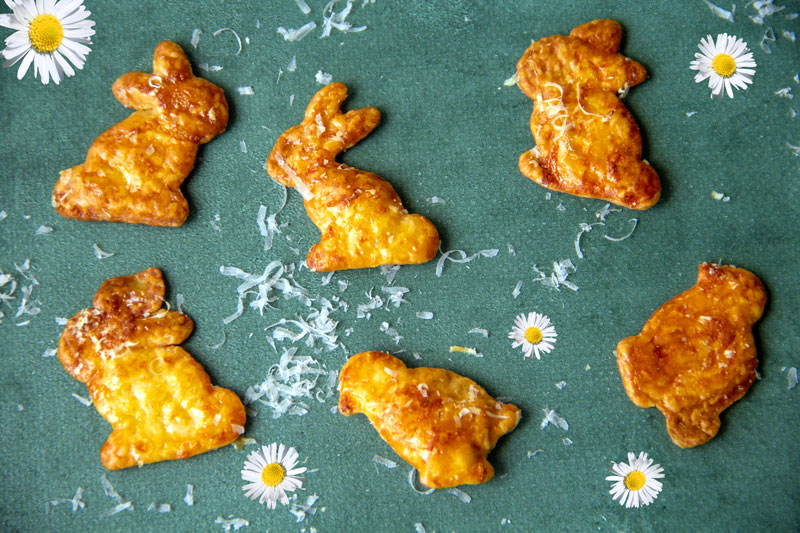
column 587, row 142
column 133, row 171
column 159, row 400
column 443, row 424
column 696, row 355
column 361, row 218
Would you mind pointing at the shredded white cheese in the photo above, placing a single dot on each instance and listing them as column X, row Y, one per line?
column 323, row 77
column 551, row 417
column 189, row 498
column 238, row 39
column 721, row 13
column 298, row 33
column 196, row 33
column 769, row 37
column 466, row 350
column 76, row 501
column 511, row 80
column 301, row 511
column 618, row 239
column 245, row 90
column 460, row 494
column 424, row 315
column 391, row 332
column 122, row 505
column 479, row 331
column 388, row 463
column 463, row 259
column 209, row 68
column 412, row 474
column 85, row 401
column 517, row 289
column 159, row 507
column 101, row 254
column 303, row 6
column 43, row 230
column 791, row 377
column 333, row 20
column 231, row 523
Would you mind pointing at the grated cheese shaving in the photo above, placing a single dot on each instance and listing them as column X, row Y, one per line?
column 463, row 259
column 297, row 34
column 558, row 277
column 76, row 501
column 292, row 66
column 769, row 37
column 551, row 417
column 567, row 441
column 231, row 523
column 43, row 230
column 189, row 498
column 511, row 80
column 786, row 92
column 49, row 353
column 795, row 149
column 196, row 37
column 479, row 331
column 618, row 239
column 333, row 20
column 436, row 200
column 517, row 289
column 391, row 332
column 388, row 463
column 159, row 507
column 238, row 39
column 101, row 254
column 721, row 13
column 424, row 315
column 323, row 77
column 561, row 384
column 303, row 6
column 464, row 349
column 302, row 510
column 790, row 35
column 364, row 310
column 122, row 505
column 245, row 90
column 85, row 401
column 791, row 377
column 720, row 196
column 460, row 494
column 418, row 527
column 534, row 454
column 3, row 215
column 395, row 295
column 209, row 68
column 290, row 381
column 584, row 228
column 412, row 474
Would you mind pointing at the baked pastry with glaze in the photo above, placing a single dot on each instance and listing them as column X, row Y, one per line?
column 158, row 399
column 133, row 171
column 587, row 142
column 361, row 218
column 441, row 423
column 696, row 355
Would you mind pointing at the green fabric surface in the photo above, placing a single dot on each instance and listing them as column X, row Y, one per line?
column 451, row 129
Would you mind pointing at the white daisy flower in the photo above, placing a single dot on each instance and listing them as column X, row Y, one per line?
column 271, row 472
column 48, row 33
column 727, row 63
column 635, row 481
column 534, row 334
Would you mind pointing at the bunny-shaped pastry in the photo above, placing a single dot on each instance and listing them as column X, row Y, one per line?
column 361, row 218
column 159, row 400
column 696, row 355
column 443, row 424
column 587, row 142
column 133, row 171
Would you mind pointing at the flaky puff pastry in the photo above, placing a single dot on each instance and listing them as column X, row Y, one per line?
column 133, row 171
column 587, row 142
column 696, row 354
column 361, row 218
column 442, row 424
column 159, row 400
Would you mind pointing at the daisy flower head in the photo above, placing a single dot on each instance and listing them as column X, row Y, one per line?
column 534, row 333
column 271, row 472
column 726, row 64
column 50, row 34
column 635, row 482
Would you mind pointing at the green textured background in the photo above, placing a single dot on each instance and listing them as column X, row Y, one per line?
column 450, row 129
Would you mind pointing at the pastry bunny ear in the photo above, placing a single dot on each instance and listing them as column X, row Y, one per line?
column 135, row 90
column 349, row 128
column 170, row 62
column 603, row 34
column 138, row 294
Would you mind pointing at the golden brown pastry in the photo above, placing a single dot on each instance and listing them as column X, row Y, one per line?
column 441, row 423
column 587, row 142
column 133, row 171
column 159, row 400
column 696, row 355
column 361, row 218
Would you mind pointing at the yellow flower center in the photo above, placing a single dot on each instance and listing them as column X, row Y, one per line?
column 533, row 335
column 46, row 33
column 635, row 480
column 273, row 474
column 724, row 65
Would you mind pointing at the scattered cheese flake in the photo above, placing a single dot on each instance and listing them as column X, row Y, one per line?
column 246, row 90
column 302, row 510
column 85, row 401
column 297, row 34
column 303, row 6
column 769, row 37
column 51, row 352
column 786, row 92
column 232, row 524
column 567, row 441
column 424, row 315
column 391, row 332
column 618, row 239
column 238, row 39
column 460, row 494
column 764, row 8
column 791, row 377
column 292, row 66
column 551, row 417
column 792, row 16
column 436, row 200
column 395, row 295
column 122, row 505
column 388, row 463
column 690, row 114
column 76, row 501
column 561, row 384
column 214, row 224
column 323, row 77
column 412, row 474
column 720, row 196
column 789, row 35
column 721, row 13
column 418, row 527
column 43, row 230
column 517, row 289
column 463, row 259
column 364, row 310
column 795, row 149
column 511, row 80
column 534, row 454
column 243, row 146
column 291, row 100
column 561, row 271
column 101, row 254
column 209, row 68
column 3, row 215
column 196, row 37
column 189, row 498
column 333, row 20
column 584, row 228
column 464, row 349
column 159, row 507
column 241, row 442
column 605, row 211
column 290, row 381
column 479, row 331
